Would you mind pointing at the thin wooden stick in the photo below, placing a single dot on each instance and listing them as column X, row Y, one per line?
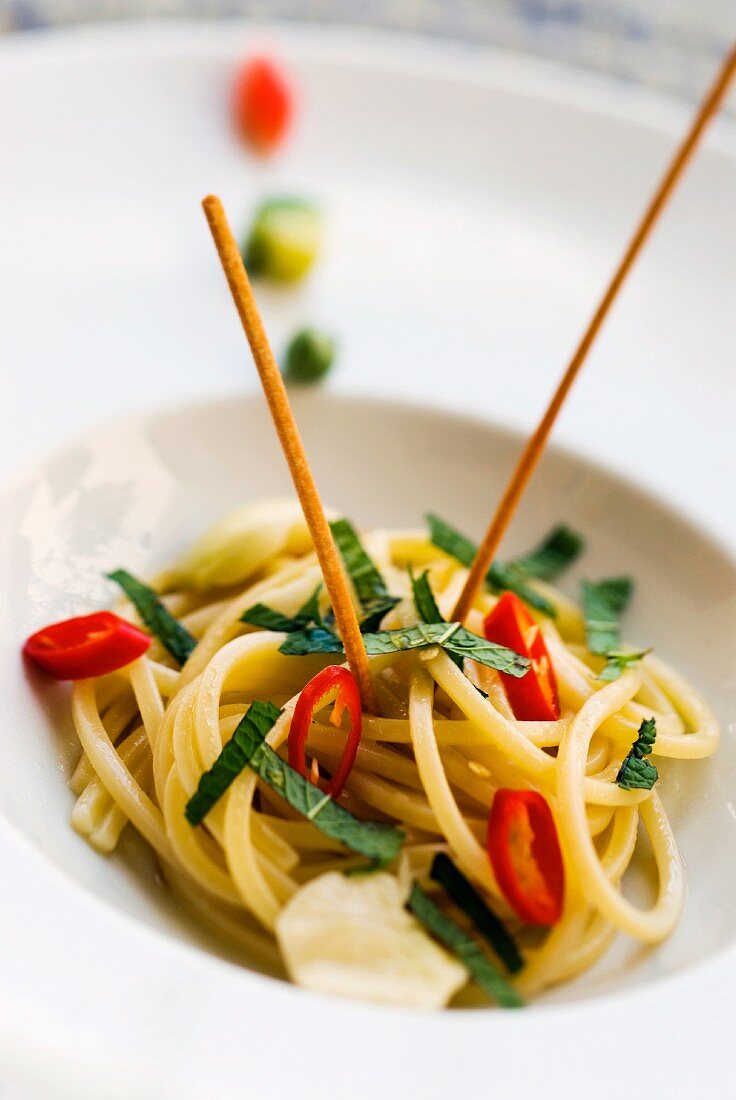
column 534, row 447
column 296, row 457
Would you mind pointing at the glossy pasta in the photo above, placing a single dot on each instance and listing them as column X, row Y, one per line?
column 430, row 763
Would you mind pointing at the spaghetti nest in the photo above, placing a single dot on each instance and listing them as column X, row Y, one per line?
column 446, row 740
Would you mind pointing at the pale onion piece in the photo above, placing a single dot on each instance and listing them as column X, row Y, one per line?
column 352, row 936
column 241, row 543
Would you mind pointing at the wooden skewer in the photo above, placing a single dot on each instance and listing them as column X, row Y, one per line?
column 296, row 457
column 536, row 443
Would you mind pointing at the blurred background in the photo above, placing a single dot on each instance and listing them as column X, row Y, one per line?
column 667, row 44
column 484, row 159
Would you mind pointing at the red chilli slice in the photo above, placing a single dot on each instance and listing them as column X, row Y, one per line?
column 525, row 855
column 87, row 646
column 263, row 104
column 533, row 697
column 310, row 700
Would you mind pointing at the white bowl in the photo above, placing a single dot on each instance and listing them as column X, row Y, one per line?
column 486, row 198
column 134, row 493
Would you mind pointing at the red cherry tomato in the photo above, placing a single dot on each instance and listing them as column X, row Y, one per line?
column 90, row 645
column 533, row 697
column 525, row 855
column 310, row 700
column 263, row 104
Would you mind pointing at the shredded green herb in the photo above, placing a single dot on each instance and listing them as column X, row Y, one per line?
column 467, row 898
column 452, row 637
column 172, row 635
column 309, row 611
column 448, row 538
column 467, row 950
column 379, row 842
column 368, row 583
column 555, row 553
column 309, row 616
column 617, row 662
column 315, row 639
column 426, row 605
column 506, row 577
column 603, row 604
column 456, row 641
column 256, row 723
column 424, row 600
column 269, row 619
column 370, row 587
column 636, row 771
column 375, row 615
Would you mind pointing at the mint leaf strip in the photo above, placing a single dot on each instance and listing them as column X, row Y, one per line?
column 467, row 950
column 617, row 663
column 558, row 550
column 603, row 603
column 375, row 613
column 368, row 583
column 315, row 639
column 636, row 772
column 463, row 643
column 379, row 842
column 309, row 611
column 510, row 577
column 424, row 600
column 467, row 898
column 426, row 605
column 452, row 637
column 252, row 729
column 172, row 635
column 268, row 619
column 448, row 538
